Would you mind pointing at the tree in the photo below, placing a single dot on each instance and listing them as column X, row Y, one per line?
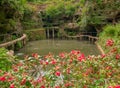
column 99, row 13
column 11, row 12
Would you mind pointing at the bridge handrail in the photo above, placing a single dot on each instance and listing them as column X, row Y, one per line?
column 13, row 41
column 89, row 36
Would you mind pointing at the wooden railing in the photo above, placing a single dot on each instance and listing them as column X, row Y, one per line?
column 13, row 42
column 90, row 38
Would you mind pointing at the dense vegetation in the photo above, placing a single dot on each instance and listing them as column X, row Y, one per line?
column 111, row 33
column 66, row 70
column 26, row 14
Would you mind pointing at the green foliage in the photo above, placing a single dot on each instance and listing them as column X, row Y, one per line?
column 98, row 12
column 36, row 34
column 18, row 45
column 31, row 17
column 5, row 62
column 110, row 32
column 11, row 13
column 54, row 11
column 70, row 9
column 61, row 8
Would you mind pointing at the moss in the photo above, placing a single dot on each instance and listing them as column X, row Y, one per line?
column 36, row 34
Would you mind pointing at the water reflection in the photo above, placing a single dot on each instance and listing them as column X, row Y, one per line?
column 43, row 47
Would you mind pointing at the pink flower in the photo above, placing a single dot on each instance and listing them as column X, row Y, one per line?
column 57, row 73
column 57, row 86
column 46, row 62
column 75, row 52
column 81, row 57
column 53, row 61
column 12, row 86
column 57, row 67
column 117, row 56
column 2, row 78
column 39, row 80
column 23, row 81
column 35, row 55
column 110, row 87
column 103, row 55
column 68, row 84
column 10, row 79
column 109, row 42
column 42, row 86
column 62, row 55
column 68, row 71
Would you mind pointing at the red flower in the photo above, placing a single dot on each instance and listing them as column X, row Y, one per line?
column 23, row 81
column 53, row 61
column 15, row 68
column 46, row 62
column 85, row 86
column 68, row 71
column 41, row 61
column 75, row 52
column 12, row 86
column 118, row 86
column 19, row 64
column 68, row 84
column 42, row 86
column 10, row 79
column 57, row 86
column 108, row 67
column 3, row 78
column 110, row 87
column 117, row 56
column 57, row 73
column 35, row 55
column 81, row 57
column 103, row 55
column 57, row 67
column 70, row 61
column 39, row 80
column 62, row 55
column 109, row 42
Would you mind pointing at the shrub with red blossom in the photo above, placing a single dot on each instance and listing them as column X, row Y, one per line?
column 67, row 70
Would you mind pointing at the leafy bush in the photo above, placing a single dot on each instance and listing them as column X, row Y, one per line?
column 55, row 10
column 70, row 9
column 66, row 70
column 110, row 32
column 5, row 60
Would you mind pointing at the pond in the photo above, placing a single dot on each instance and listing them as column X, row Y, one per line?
column 44, row 47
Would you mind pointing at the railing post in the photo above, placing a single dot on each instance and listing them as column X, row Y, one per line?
column 48, row 33
column 53, row 33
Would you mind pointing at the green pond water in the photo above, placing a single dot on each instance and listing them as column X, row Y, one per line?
column 44, row 47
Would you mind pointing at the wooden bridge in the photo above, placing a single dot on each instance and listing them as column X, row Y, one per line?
column 13, row 42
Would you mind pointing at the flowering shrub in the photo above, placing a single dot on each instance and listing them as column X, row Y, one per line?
column 109, row 42
column 67, row 70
